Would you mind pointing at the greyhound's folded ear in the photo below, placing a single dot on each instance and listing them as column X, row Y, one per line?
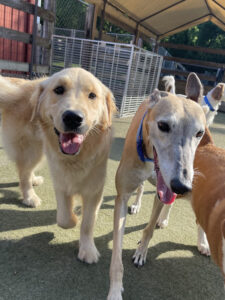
column 194, row 88
column 154, row 98
column 218, row 91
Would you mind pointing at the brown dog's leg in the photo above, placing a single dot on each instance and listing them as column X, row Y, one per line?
column 87, row 249
column 65, row 215
column 116, row 266
column 25, row 176
column 141, row 252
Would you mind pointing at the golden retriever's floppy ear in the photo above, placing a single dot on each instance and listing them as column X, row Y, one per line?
column 194, row 89
column 36, row 98
column 111, row 108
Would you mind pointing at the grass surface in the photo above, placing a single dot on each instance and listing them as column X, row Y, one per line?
column 38, row 259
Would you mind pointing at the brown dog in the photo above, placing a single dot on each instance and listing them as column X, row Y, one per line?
column 164, row 135
column 208, row 197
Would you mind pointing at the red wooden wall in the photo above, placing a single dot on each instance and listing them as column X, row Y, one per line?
column 20, row 21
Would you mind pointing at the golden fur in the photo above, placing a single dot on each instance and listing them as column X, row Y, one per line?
column 31, row 112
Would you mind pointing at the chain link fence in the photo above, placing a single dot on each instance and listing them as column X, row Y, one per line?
column 70, row 14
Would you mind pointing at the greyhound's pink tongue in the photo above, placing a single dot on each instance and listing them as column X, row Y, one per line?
column 165, row 194
column 70, row 142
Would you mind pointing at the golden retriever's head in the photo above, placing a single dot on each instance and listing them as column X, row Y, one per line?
column 74, row 103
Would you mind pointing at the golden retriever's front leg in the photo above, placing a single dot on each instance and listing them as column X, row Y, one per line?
column 65, row 215
column 139, row 257
column 87, row 249
column 116, row 266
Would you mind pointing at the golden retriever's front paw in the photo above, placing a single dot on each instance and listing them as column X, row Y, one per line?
column 88, row 253
column 66, row 222
column 32, row 201
column 37, row 180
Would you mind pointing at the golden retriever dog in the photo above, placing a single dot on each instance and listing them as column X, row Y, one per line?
column 21, row 136
column 72, row 111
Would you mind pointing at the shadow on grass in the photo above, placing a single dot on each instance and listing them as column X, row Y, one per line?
column 106, row 199
column 37, row 268
column 117, row 148
column 17, row 219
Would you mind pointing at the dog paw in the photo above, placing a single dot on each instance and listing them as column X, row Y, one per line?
column 114, row 295
column 134, row 209
column 139, row 257
column 88, row 253
column 37, row 180
column 203, row 248
column 162, row 223
column 32, row 201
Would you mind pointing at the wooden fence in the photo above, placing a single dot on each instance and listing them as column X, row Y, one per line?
column 25, row 36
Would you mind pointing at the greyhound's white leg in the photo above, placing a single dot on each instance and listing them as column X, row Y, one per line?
column 135, row 207
column 116, row 266
column 163, row 219
column 139, row 257
column 202, row 243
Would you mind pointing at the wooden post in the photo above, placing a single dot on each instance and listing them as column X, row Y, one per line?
column 90, row 21
column 156, row 48
column 102, row 20
column 48, row 31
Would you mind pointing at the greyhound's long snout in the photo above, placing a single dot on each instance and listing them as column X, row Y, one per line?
column 178, row 187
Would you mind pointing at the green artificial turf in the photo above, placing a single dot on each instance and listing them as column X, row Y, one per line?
column 38, row 259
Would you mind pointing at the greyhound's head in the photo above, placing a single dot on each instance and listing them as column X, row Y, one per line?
column 175, row 126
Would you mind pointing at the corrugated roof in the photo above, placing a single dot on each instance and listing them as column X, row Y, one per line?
column 160, row 18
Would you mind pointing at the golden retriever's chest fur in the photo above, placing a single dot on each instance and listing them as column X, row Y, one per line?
column 82, row 169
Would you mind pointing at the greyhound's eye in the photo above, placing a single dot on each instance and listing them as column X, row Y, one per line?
column 92, row 96
column 59, row 90
column 199, row 133
column 163, row 126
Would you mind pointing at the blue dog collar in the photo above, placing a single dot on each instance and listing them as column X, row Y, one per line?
column 140, row 143
column 208, row 103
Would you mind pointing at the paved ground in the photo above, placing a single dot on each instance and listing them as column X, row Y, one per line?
column 38, row 259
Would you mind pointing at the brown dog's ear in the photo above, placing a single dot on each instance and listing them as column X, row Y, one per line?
column 194, row 89
column 154, row 98
column 218, row 91
column 111, row 108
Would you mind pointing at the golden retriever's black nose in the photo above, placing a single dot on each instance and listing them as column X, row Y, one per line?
column 72, row 119
column 178, row 187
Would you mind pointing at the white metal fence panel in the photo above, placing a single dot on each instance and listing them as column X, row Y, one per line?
column 130, row 72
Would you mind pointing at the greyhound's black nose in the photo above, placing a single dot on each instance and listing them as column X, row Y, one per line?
column 72, row 119
column 178, row 187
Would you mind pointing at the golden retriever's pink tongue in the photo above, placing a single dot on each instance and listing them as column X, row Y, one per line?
column 70, row 142
column 165, row 194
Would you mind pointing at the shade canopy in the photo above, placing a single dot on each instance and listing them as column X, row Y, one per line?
column 161, row 18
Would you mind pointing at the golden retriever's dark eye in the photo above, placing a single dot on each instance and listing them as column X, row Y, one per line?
column 59, row 90
column 92, row 96
column 163, row 126
column 199, row 134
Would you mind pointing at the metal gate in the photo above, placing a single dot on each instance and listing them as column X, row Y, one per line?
column 130, row 72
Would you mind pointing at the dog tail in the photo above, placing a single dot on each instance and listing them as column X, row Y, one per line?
column 169, row 82
column 9, row 93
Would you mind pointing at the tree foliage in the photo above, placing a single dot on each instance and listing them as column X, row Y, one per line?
column 205, row 35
